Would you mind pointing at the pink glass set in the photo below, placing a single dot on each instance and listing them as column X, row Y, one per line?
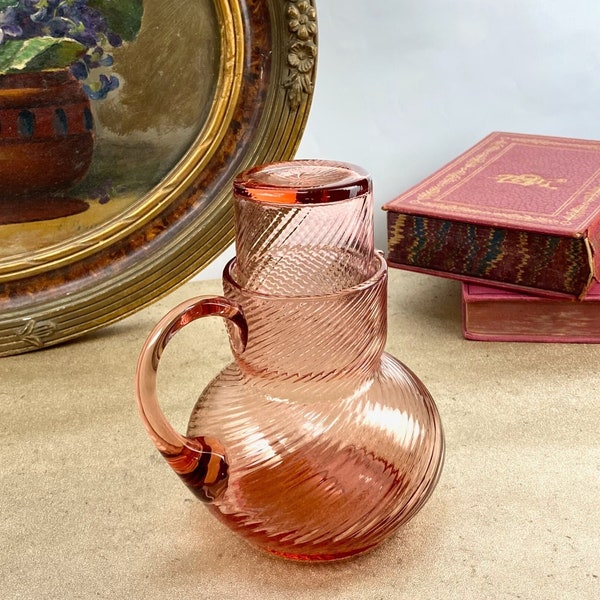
column 314, row 443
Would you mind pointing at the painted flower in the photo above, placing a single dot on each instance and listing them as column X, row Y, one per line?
column 9, row 26
column 302, row 19
column 99, row 89
column 37, row 35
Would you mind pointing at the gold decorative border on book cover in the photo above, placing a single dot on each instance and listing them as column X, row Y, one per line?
column 496, row 148
column 458, row 175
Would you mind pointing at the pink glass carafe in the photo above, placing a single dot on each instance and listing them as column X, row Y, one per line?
column 314, row 443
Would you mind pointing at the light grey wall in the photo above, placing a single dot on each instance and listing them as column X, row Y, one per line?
column 403, row 86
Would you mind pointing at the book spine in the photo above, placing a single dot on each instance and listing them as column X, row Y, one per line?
column 539, row 320
column 523, row 259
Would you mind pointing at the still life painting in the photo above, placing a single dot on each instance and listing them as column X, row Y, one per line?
column 94, row 109
column 122, row 126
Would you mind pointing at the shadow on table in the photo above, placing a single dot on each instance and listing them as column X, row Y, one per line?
column 219, row 559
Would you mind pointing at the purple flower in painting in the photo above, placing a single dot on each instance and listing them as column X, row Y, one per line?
column 39, row 16
column 97, row 90
column 98, row 58
column 96, row 26
column 9, row 25
column 80, row 69
column 92, row 60
column 58, row 27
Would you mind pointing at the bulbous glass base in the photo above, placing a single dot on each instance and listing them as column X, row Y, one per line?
column 322, row 469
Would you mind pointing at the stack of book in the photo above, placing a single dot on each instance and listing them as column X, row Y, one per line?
column 517, row 219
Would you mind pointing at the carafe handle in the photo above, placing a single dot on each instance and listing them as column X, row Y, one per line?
column 200, row 461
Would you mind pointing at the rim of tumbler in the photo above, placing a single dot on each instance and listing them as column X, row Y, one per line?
column 373, row 280
column 357, row 184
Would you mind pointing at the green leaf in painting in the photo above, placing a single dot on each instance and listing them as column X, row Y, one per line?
column 8, row 52
column 124, row 17
column 38, row 54
column 6, row 3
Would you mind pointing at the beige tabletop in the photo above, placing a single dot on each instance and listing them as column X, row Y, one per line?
column 90, row 510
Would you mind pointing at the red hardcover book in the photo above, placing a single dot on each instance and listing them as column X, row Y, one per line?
column 496, row 315
column 516, row 211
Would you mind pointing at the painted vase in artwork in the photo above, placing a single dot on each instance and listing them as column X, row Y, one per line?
column 46, row 132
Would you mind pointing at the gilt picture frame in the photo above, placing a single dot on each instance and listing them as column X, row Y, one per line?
column 194, row 93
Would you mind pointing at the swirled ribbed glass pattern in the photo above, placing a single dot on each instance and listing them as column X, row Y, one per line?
column 303, row 228
column 332, row 444
column 314, row 444
column 322, row 472
column 313, row 337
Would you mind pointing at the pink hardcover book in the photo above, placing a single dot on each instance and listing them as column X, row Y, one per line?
column 497, row 315
column 515, row 211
